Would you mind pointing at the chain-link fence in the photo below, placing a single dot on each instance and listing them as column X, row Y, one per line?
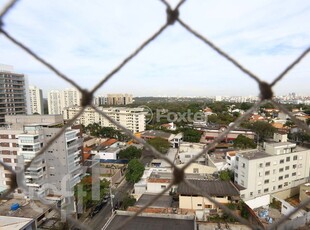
column 173, row 16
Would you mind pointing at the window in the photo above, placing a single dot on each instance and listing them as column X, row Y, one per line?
column 163, row 186
column 281, row 170
column 295, row 158
column 195, row 170
column 280, row 177
column 261, row 165
column 267, row 164
column 266, row 190
column 243, row 165
column 237, row 158
column 286, row 176
column 7, row 160
column 287, row 167
column 286, row 184
column 251, row 193
column 294, row 166
column 236, row 175
column 282, row 161
column 199, row 205
column 258, row 191
column 208, row 206
column 280, row 186
column 293, row 174
column 267, row 173
column 187, row 156
column 288, row 159
column 266, row 182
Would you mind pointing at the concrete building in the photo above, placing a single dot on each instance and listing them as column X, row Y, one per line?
column 54, row 102
column 60, row 99
column 222, row 191
column 131, row 118
column 14, row 95
column 100, row 100
column 280, row 166
column 119, row 99
column 58, row 169
column 187, row 151
column 36, row 100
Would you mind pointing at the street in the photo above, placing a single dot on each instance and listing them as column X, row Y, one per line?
column 99, row 220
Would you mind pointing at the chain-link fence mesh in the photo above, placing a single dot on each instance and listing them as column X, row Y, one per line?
column 173, row 16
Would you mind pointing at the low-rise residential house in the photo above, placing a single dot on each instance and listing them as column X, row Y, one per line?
column 280, row 166
column 222, row 191
column 169, row 126
column 217, row 160
column 211, row 132
column 198, row 169
column 187, row 151
column 174, row 139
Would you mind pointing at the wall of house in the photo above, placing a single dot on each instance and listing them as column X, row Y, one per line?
column 199, row 202
column 156, row 187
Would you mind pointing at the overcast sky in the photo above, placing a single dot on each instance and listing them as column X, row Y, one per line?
column 86, row 39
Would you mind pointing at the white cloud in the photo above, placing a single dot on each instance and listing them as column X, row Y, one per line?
column 86, row 40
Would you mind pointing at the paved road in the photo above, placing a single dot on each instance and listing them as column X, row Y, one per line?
column 99, row 220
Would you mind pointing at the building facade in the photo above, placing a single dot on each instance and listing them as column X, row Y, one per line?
column 131, row 118
column 119, row 99
column 58, row 169
column 36, row 100
column 280, row 166
column 14, row 95
column 60, row 99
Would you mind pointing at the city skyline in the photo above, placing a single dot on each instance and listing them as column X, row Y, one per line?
column 265, row 37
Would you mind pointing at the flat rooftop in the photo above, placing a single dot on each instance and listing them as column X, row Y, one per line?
column 162, row 202
column 28, row 209
column 151, row 223
column 256, row 154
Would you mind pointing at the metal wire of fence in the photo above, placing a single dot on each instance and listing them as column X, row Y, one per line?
column 266, row 94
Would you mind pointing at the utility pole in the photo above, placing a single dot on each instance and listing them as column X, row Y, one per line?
column 111, row 196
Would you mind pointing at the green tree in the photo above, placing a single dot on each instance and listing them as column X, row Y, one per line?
column 243, row 142
column 86, row 186
column 308, row 121
column 226, row 175
column 127, row 201
column 191, row 135
column 130, row 153
column 134, row 171
column 245, row 106
column 160, row 144
column 263, row 129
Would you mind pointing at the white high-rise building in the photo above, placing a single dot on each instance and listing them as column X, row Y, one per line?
column 58, row 100
column 36, row 100
column 131, row 118
column 54, row 102
column 70, row 97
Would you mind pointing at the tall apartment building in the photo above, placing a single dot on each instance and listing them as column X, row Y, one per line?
column 132, row 118
column 119, row 99
column 280, row 166
column 100, row 100
column 53, row 102
column 36, row 100
column 57, row 170
column 59, row 99
column 14, row 96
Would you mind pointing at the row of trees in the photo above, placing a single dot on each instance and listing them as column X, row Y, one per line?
column 97, row 130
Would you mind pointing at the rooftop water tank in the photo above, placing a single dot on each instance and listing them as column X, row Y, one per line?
column 14, row 206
